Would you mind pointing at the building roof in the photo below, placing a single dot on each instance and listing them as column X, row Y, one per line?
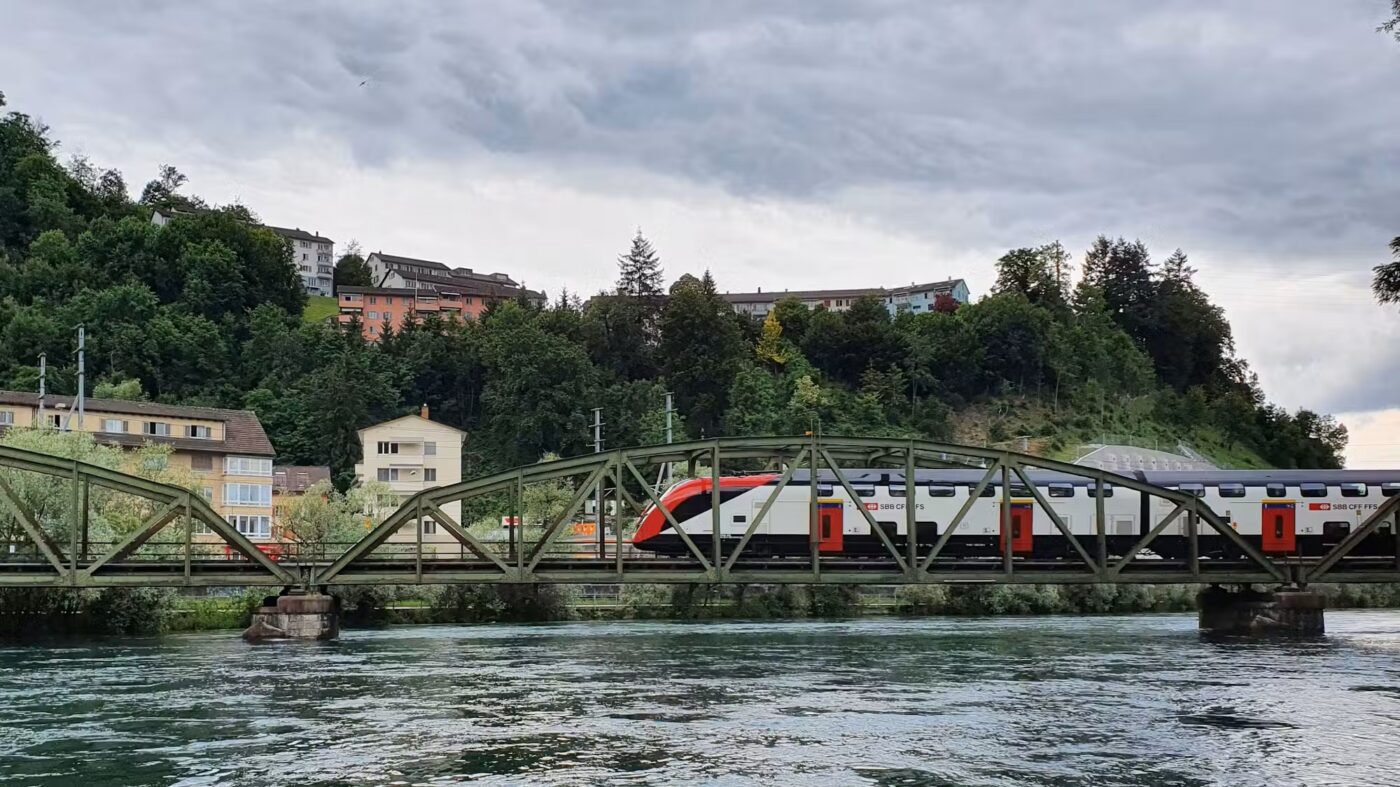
column 243, row 432
column 409, row 291
column 296, row 479
column 298, row 234
column 467, row 285
column 802, row 295
column 950, row 284
column 394, row 258
column 414, row 416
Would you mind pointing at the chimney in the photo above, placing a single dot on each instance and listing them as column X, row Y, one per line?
column 760, row 290
column 423, row 412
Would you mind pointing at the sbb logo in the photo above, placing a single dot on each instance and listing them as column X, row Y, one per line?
column 872, row 506
column 1319, row 506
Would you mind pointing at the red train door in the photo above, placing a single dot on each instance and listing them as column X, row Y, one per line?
column 1277, row 527
column 829, row 525
column 1022, row 515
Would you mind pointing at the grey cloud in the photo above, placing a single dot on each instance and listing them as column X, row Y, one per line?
column 1260, row 124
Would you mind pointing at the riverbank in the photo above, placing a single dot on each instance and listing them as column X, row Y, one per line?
column 31, row 613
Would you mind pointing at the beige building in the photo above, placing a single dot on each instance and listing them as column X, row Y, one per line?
column 227, row 451
column 411, row 454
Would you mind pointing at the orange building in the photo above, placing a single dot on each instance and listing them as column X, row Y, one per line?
column 409, row 289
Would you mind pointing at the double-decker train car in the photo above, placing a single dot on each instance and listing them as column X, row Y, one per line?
column 1283, row 512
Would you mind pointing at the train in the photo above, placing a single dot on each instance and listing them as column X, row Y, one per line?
column 1281, row 512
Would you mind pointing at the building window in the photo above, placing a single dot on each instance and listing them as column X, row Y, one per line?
column 388, row 316
column 247, row 494
column 247, row 465
column 388, row 300
column 7, row 417
column 430, row 474
column 388, row 474
column 208, row 493
column 373, row 299
column 201, row 463
column 429, row 448
column 253, row 526
column 199, row 432
column 386, row 447
column 467, row 300
column 429, row 527
column 56, row 421
column 374, row 315
column 114, row 426
column 158, row 428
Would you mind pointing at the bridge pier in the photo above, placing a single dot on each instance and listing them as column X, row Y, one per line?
column 1286, row 611
column 312, row 616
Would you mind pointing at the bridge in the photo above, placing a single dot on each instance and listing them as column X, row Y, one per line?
column 171, row 537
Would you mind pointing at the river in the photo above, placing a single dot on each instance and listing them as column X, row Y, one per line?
column 1139, row 700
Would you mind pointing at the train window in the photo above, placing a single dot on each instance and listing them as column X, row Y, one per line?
column 1310, row 489
column 699, row 504
column 1231, row 490
column 1354, row 490
column 897, row 491
column 941, row 490
column 1275, row 490
column 1390, row 488
column 1062, row 490
column 990, row 490
column 1193, row 489
column 864, row 491
column 740, row 519
column 1335, row 531
column 1094, row 490
column 825, row 490
column 1019, row 491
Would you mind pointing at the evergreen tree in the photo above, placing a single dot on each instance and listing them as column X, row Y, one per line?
column 1386, row 284
column 639, row 270
column 1122, row 271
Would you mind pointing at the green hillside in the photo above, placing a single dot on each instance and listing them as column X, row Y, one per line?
column 319, row 309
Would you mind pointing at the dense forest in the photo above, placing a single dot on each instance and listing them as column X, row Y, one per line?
column 208, row 310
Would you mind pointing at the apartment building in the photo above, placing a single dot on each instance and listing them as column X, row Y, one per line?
column 314, row 256
column 226, row 450
column 411, row 454
column 407, row 288
column 914, row 298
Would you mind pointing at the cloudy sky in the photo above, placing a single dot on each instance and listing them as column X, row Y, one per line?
column 808, row 144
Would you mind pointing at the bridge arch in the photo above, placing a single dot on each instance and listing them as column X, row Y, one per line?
column 75, row 565
column 625, row 474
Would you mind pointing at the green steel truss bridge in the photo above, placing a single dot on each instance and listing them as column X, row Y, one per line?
column 173, row 538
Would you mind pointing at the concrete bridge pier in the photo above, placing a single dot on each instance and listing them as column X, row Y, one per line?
column 1285, row 611
column 308, row 616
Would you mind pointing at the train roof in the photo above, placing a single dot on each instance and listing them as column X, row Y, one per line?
column 868, row 476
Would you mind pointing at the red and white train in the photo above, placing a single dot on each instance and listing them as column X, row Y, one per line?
column 1283, row 512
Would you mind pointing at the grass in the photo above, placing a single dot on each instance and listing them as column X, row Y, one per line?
column 319, row 308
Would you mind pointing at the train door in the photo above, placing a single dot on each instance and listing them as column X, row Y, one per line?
column 1277, row 527
column 829, row 524
column 1022, row 539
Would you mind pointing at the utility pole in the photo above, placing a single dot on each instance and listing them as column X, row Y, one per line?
column 663, row 476
column 77, row 408
column 43, row 381
column 598, row 449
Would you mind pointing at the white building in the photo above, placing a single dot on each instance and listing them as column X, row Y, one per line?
column 314, row 256
column 410, row 454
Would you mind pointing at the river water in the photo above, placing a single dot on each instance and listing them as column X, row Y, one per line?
column 1140, row 700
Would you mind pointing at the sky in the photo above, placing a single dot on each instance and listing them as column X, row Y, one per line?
column 781, row 145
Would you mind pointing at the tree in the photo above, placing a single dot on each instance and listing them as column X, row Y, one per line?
column 1038, row 275
column 1392, row 25
column 351, row 270
column 1386, row 284
column 701, row 351
column 1122, row 271
column 163, row 190
column 639, row 270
